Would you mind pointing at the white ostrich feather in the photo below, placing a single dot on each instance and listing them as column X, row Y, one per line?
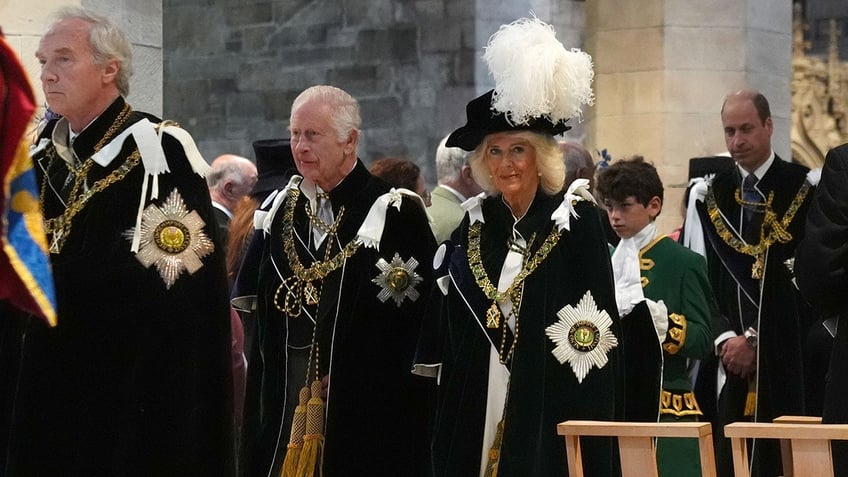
column 535, row 76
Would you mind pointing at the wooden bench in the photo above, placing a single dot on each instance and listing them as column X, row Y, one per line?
column 636, row 443
column 805, row 445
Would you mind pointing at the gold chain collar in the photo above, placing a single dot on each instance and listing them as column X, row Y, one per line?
column 300, row 285
column 493, row 314
column 778, row 230
column 60, row 227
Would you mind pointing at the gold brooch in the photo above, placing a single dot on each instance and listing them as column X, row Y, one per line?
column 397, row 279
column 582, row 336
column 172, row 239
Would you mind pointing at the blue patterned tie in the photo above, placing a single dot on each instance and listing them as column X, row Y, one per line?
column 753, row 216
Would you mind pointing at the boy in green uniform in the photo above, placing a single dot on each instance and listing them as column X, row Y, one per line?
column 672, row 280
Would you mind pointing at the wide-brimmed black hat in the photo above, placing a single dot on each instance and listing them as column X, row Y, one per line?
column 275, row 164
column 482, row 120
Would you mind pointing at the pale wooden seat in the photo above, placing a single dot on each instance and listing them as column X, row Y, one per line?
column 636, row 443
column 809, row 445
column 786, row 444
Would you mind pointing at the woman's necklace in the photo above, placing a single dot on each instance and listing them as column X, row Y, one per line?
column 302, row 284
column 60, row 227
column 493, row 314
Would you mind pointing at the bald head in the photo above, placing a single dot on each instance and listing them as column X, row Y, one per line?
column 231, row 178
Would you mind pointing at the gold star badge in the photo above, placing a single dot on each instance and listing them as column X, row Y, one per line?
column 172, row 239
column 582, row 336
column 397, row 279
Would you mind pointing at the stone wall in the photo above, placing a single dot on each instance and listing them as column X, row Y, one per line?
column 232, row 68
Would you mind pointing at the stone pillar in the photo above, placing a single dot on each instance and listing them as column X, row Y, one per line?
column 663, row 68
column 23, row 23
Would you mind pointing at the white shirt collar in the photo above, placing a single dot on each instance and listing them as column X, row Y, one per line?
column 761, row 171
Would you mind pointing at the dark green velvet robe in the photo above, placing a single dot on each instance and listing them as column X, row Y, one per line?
column 542, row 392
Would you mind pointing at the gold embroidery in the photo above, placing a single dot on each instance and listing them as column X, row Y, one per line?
column 679, row 404
column 676, row 336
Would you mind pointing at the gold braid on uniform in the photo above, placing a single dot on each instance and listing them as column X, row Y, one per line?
column 58, row 228
column 302, row 284
column 772, row 230
column 493, row 315
column 676, row 335
column 679, row 404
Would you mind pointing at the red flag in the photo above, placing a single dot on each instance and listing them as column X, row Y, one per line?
column 25, row 279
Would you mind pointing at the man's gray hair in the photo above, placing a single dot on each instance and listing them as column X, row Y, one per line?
column 106, row 40
column 345, row 117
column 449, row 161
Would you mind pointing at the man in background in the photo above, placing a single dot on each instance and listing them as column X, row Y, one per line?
column 231, row 178
column 578, row 164
column 753, row 218
column 455, row 186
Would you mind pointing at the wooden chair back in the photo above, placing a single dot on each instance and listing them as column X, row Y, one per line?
column 636, row 443
column 808, row 446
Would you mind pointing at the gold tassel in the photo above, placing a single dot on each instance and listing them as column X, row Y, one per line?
column 310, row 463
column 298, row 428
column 495, row 452
column 751, row 398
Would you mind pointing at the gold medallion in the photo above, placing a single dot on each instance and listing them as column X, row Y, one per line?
column 583, row 336
column 172, row 239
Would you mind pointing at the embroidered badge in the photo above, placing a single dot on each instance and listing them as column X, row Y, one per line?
column 582, row 336
column 172, row 239
column 397, row 279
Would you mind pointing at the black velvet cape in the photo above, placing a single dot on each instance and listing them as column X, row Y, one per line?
column 378, row 412
column 821, row 266
column 136, row 379
column 785, row 317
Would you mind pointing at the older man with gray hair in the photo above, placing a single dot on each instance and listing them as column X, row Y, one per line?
column 455, row 186
column 231, row 178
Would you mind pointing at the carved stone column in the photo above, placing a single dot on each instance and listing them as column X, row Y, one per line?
column 663, row 68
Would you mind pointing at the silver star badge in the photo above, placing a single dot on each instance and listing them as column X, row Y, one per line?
column 582, row 336
column 172, row 239
column 397, row 279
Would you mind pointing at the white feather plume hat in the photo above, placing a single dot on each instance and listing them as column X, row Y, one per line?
column 539, row 85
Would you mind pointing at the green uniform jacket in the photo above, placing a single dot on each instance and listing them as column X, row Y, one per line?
column 678, row 276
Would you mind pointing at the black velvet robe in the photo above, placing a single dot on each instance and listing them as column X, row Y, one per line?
column 821, row 267
column 785, row 317
column 542, row 392
column 136, row 379
column 378, row 412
